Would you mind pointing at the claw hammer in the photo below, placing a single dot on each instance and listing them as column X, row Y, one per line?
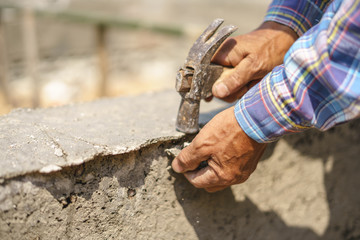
column 196, row 77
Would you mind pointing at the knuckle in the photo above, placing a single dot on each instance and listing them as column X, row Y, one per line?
column 243, row 177
column 258, row 67
column 226, row 178
column 197, row 185
column 230, row 177
column 234, row 78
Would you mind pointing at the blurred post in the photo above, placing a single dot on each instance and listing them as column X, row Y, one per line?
column 31, row 52
column 102, row 58
column 4, row 84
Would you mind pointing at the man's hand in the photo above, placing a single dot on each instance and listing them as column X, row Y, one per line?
column 251, row 56
column 231, row 155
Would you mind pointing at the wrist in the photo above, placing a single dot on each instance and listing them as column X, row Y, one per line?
column 281, row 28
column 281, row 36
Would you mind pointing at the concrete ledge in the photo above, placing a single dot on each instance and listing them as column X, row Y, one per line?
column 46, row 140
column 100, row 171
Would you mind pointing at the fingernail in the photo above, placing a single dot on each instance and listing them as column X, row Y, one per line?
column 221, row 90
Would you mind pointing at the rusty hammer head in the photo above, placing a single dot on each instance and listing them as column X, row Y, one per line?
column 196, row 77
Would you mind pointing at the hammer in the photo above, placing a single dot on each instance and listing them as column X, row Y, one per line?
column 196, row 77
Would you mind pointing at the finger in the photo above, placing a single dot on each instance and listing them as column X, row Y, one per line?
column 218, row 37
column 203, row 178
column 188, row 159
column 237, row 95
column 209, row 98
column 215, row 189
column 226, row 53
column 233, row 80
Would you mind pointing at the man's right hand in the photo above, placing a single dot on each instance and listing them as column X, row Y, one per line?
column 251, row 56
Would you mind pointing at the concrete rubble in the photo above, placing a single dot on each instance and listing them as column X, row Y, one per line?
column 100, row 170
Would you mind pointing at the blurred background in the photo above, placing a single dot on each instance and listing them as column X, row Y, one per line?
column 56, row 52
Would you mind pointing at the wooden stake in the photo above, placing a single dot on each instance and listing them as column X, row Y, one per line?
column 31, row 52
column 102, row 58
column 4, row 84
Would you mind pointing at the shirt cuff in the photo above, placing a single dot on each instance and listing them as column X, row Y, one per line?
column 260, row 114
column 298, row 15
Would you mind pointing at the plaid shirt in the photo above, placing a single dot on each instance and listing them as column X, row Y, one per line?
column 318, row 86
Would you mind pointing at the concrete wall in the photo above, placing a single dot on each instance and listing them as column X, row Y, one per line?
column 100, row 171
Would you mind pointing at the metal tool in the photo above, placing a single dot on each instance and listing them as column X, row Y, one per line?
column 196, row 77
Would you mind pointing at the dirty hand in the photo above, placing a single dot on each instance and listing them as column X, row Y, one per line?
column 231, row 155
column 251, row 56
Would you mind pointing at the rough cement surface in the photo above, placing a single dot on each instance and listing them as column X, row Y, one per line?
column 305, row 187
column 50, row 139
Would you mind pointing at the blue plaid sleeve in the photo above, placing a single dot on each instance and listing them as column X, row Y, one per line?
column 299, row 15
column 318, row 86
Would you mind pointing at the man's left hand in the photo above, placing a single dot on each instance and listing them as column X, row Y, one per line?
column 231, row 155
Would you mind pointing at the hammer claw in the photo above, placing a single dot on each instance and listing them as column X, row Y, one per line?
column 200, row 43
column 216, row 40
column 211, row 29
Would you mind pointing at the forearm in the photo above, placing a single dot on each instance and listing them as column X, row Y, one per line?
column 317, row 87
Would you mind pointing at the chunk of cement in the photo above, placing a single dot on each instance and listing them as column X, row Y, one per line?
column 38, row 140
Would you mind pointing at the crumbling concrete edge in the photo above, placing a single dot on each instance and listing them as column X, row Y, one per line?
column 171, row 141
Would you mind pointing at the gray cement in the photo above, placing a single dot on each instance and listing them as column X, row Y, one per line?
column 100, row 171
column 50, row 139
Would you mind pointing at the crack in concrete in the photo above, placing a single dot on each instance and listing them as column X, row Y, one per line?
column 55, row 143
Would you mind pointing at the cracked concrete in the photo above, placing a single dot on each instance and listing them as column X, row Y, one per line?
column 59, row 137
column 100, row 170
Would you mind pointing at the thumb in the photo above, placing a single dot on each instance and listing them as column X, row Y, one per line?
column 232, row 80
column 187, row 160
